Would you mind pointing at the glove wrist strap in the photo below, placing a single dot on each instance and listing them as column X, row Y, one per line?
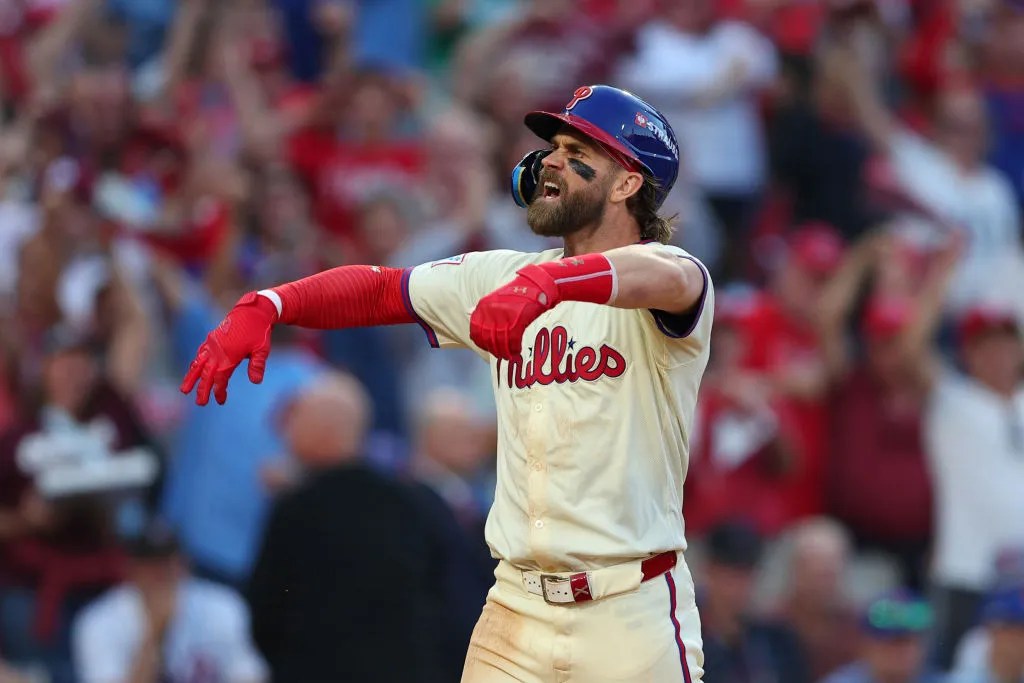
column 590, row 278
column 275, row 299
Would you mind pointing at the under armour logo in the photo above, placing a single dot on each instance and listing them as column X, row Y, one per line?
column 583, row 591
column 576, row 262
column 375, row 269
column 519, row 290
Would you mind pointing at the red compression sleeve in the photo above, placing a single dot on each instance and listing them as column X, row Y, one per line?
column 348, row 296
column 578, row 278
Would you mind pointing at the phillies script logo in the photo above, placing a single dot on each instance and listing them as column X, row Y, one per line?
column 554, row 358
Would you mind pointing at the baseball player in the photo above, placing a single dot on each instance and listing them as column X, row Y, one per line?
column 596, row 351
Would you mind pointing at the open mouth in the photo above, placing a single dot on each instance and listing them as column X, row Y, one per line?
column 550, row 191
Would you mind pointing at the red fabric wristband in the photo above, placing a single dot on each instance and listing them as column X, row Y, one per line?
column 590, row 277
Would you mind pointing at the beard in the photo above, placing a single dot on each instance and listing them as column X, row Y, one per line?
column 571, row 213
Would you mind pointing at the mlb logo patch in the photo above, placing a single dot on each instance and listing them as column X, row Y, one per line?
column 450, row 261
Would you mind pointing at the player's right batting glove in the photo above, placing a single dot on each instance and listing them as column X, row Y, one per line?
column 244, row 333
column 500, row 319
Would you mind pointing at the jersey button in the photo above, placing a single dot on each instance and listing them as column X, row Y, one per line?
column 537, row 407
column 539, row 524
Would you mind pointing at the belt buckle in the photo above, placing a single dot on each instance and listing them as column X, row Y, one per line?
column 556, row 580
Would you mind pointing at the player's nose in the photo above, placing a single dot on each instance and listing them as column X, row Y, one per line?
column 553, row 161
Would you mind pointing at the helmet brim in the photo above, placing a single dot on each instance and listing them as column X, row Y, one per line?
column 547, row 124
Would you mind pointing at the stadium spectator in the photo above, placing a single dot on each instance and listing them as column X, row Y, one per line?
column 320, row 542
column 946, row 178
column 878, row 482
column 979, row 506
column 743, row 443
column 1001, row 655
column 60, row 464
column 162, row 625
column 815, row 602
column 974, row 646
column 789, row 352
column 352, row 149
column 532, row 58
column 220, row 525
column 460, row 470
column 706, row 73
column 892, row 645
column 739, row 648
column 817, row 153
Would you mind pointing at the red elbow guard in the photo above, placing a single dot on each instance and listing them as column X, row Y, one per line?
column 349, row 296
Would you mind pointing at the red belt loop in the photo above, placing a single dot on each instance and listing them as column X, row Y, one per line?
column 657, row 565
column 580, row 585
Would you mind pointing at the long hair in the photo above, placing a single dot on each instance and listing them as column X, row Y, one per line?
column 642, row 206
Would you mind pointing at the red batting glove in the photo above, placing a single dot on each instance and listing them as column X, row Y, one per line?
column 500, row 319
column 244, row 333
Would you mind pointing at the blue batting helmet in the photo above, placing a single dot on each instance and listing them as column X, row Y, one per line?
column 633, row 132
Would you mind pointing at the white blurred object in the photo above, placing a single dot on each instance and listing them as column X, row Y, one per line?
column 70, row 458
column 77, row 288
column 128, row 470
column 18, row 222
column 996, row 282
column 149, row 80
column 736, row 437
column 63, row 441
column 971, row 660
column 127, row 202
column 981, row 202
column 721, row 139
column 62, row 174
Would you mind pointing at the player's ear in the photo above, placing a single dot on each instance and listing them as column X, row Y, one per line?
column 625, row 185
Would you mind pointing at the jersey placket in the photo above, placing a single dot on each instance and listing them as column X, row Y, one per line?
column 536, row 419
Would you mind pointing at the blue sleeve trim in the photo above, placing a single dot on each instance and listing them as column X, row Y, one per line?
column 682, row 325
column 407, row 300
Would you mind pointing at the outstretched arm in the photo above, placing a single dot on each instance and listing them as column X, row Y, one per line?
column 349, row 296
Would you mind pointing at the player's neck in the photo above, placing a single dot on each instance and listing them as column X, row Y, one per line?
column 609, row 234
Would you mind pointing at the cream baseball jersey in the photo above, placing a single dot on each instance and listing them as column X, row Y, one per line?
column 594, row 418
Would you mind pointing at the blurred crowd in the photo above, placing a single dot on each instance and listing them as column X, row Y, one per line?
column 853, row 177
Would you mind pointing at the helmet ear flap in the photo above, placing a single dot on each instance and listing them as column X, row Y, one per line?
column 525, row 177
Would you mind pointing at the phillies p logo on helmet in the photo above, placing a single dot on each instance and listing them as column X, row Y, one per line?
column 580, row 94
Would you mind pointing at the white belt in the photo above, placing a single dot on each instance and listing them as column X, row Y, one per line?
column 566, row 588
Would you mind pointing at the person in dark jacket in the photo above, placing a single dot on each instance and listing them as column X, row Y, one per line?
column 353, row 579
column 739, row 648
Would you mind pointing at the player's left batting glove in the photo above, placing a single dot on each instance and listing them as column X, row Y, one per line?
column 244, row 333
column 500, row 319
